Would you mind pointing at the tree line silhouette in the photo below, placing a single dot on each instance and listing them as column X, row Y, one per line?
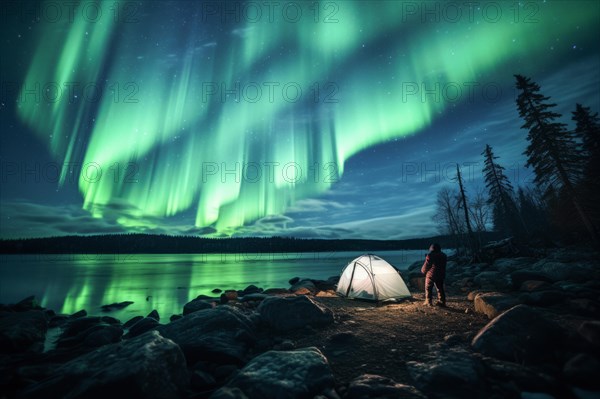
column 564, row 201
column 148, row 243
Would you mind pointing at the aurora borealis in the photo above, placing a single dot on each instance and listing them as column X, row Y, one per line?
column 254, row 118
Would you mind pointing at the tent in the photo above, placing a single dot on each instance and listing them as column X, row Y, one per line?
column 371, row 277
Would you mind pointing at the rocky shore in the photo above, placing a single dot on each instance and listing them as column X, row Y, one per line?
column 516, row 328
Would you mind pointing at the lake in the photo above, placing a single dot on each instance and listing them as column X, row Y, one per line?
column 165, row 282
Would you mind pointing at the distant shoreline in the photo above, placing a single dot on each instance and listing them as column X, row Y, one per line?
column 164, row 244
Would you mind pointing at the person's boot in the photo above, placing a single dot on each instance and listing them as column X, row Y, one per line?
column 427, row 302
column 441, row 302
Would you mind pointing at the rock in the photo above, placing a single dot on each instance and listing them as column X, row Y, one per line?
column 57, row 321
column 304, row 287
column 303, row 373
column 230, row 295
column 533, row 285
column 195, row 305
column 333, row 279
column 221, row 335
column 224, row 372
column 229, row 393
column 276, row 291
column 491, row 280
column 132, row 321
column 516, row 378
column 29, row 303
column 542, row 298
column 94, row 336
column 251, row 289
column 590, row 330
column 253, row 297
column 453, row 373
column 536, row 395
column 175, row 317
column 201, row 380
column 142, row 326
column 116, row 305
column 520, row 276
column 285, row 345
column 368, row 386
column 324, row 285
column 508, row 265
column 293, row 312
column 327, row 294
column 294, row 280
column 22, row 331
column 559, row 271
column 585, row 307
column 77, row 326
column 148, row 366
column 472, row 294
column 154, row 314
column 78, row 315
column 583, row 370
column 521, row 334
column 103, row 335
column 579, row 393
column 492, row 304
column 217, row 291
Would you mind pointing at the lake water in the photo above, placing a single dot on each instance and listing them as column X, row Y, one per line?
column 165, row 282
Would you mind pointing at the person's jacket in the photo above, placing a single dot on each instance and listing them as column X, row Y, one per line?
column 435, row 265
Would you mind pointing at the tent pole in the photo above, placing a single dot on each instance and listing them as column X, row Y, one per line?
column 351, row 279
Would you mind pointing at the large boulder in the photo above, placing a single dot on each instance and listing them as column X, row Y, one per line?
column 491, row 280
column 220, row 335
column 521, row 334
column 304, row 287
column 492, row 304
column 149, row 366
column 293, row 312
column 22, row 331
column 195, row 305
column 516, row 378
column 29, row 303
column 508, row 265
column 559, row 271
column 94, row 336
column 517, row 278
column 590, row 331
column 453, row 373
column 302, row 373
column 369, row 386
column 543, row 298
column 583, row 370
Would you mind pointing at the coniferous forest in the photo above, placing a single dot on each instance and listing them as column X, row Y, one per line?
column 563, row 203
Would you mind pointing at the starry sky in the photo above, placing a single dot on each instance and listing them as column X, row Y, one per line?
column 331, row 119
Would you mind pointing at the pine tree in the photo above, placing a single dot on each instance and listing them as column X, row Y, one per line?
column 501, row 195
column 463, row 199
column 587, row 131
column 552, row 150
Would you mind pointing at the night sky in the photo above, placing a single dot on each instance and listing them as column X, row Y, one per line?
column 338, row 119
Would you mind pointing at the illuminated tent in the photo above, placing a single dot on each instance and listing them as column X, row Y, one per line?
column 371, row 277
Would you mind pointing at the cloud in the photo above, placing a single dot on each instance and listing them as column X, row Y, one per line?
column 23, row 219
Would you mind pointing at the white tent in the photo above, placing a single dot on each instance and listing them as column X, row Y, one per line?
column 371, row 277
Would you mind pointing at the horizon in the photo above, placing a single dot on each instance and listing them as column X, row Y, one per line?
column 342, row 121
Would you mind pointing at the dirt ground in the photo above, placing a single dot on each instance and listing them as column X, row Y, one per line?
column 383, row 338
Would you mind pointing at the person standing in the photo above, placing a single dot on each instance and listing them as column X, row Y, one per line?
column 434, row 270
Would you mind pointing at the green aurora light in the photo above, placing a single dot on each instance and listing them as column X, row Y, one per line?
column 183, row 140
